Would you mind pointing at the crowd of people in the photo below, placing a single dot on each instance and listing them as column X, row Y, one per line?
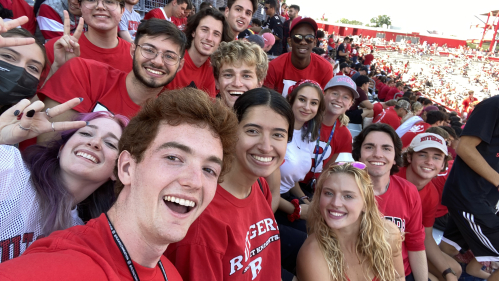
column 199, row 144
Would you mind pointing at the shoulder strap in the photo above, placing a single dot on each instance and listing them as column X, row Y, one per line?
column 260, row 184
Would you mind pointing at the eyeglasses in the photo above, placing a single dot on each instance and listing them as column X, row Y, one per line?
column 309, row 38
column 151, row 53
column 111, row 5
column 358, row 165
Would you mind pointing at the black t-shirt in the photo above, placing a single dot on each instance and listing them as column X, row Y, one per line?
column 466, row 190
column 275, row 24
column 341, row 47
column 245, row 34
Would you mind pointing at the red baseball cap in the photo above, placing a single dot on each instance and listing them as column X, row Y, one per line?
column 300, row 19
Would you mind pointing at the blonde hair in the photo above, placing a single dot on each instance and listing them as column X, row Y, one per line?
column 416, row 106
column 344, row 119
column 235, row 52
column 372, row 241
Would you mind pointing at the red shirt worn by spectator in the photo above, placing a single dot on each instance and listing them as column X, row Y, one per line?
column 84, row 252
column 382, row 93
column 158, row 13
column 439, row 182
column 415, row 130
column 179, row 22
column 401, row 204
column 388, row 116
column 191, row 75
column 391, row 93
column 429, row 200
column 50, row 19
column 282, row 74
column 466, row 103
column 102, row 87
column 340, row 143
column 377, row 108
column 118, row 57
column 368, row 59
column 233, row 239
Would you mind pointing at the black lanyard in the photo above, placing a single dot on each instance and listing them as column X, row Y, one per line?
column 125, row 254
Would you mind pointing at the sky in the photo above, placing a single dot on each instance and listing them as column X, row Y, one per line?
column 447, row 17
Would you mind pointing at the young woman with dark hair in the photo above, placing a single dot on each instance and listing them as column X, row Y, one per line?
column 236, row 237
column 41, row 191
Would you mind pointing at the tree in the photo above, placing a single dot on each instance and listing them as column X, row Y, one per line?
column 380, row 20
column 347, row 21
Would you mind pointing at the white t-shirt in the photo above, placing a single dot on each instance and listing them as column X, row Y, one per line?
column 130, row 21
column 20, row 218
column 298, row 161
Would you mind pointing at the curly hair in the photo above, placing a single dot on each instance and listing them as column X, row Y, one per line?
column 373, row 239
column 235, row 52
column 187, row 105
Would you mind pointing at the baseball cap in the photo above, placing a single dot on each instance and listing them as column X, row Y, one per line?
column 344, row 81
column 300, row 19
column 428, row 140
column 404, row 104
column 268, row 38
column 343, row 65
column 431, row 108
column 257, row 39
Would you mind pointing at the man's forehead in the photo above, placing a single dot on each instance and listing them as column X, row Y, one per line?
column 238, row 67
column 379, row 138
column 246, row 4
column 303, row 29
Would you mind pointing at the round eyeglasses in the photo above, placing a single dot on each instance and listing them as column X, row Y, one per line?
column 151, row 53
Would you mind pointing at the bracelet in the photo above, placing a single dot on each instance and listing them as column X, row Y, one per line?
column 296, row 214
column 304, row 197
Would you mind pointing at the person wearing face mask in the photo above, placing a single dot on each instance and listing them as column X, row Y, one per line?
column 54, row 187
column 20, row 65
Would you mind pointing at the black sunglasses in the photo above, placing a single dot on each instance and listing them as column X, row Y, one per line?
column 309, row 38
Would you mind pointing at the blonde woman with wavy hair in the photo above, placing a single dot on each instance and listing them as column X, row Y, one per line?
column 348, row 232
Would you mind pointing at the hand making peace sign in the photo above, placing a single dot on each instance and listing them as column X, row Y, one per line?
column 14, row 41
column 67, row 46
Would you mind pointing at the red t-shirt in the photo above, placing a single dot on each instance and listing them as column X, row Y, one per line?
column 202, row 77
column 340, row 143
column 233, row 239
column 118, row 57
column 84, row 252
column 390, row 95
column 102, row 87
column 368, row 59
column 439, row 182
column 467, row 101
column 415, row 130
column 401, row 204
column 382, row 93
column 180, row 23
column 282, row 74
column 429, row 200
column 388, row 116
column 377, row 108
column 158, row 13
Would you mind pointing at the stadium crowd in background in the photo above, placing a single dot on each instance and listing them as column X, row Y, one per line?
column 197, row 143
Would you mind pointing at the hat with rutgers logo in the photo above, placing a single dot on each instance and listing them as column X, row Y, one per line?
column 344, row 81
column 428, row 140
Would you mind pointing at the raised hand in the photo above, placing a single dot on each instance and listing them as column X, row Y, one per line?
column 24, row 120
column 67, row 46
column 13, row 41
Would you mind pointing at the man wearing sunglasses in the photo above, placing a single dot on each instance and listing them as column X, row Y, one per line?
column 300, row 63
column 274, row 23
column 379, row 147
column 157, row 56
column 101, row 42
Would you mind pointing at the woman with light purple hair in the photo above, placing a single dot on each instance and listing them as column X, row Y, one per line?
column 60, row 184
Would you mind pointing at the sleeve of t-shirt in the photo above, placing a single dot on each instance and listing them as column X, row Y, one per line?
column 327, row 76
column 124, row 23
column 197, row 262
column 151, row 14
column 483, row 121
column 49, row 22
column 414, row 230
column 271, row 78
column 362, row 96
column 429, row 207
column 72, row 80
column 277, row 27
column 341, row 48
